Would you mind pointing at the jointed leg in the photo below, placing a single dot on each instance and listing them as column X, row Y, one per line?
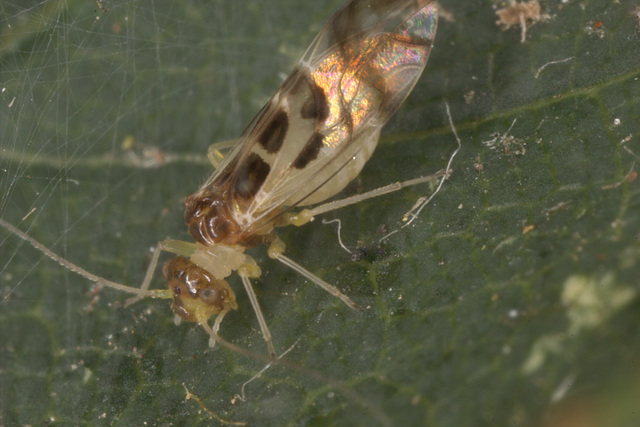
column 307, row 215
column 318, row 281
column 276, row 250
column 214, row 153
column 256, row 308
column 174, row 246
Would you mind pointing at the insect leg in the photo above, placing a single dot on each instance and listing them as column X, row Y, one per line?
column 256, row 308
column 214, row 153
column 212, row 331
column 276, row 250
column 307, row 215
column 318, row 281
column 174, row 246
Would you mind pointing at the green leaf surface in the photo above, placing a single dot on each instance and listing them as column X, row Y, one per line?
column 511, row 300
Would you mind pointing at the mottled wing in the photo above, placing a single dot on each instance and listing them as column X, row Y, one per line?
column 316, row 133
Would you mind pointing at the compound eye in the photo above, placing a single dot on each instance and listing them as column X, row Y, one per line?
column 209, row 296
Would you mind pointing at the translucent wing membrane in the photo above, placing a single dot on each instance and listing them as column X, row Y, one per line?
column 317, row 132
column 305, row 145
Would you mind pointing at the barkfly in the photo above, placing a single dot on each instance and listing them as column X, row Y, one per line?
column 310, row 140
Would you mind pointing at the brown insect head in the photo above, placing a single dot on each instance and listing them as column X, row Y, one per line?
column 197, row 295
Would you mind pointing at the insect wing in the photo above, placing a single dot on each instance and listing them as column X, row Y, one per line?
column 319, row 129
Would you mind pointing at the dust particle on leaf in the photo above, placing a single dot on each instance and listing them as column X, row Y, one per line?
column 519, row 14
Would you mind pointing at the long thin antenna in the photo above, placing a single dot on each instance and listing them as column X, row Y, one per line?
column 153, row 293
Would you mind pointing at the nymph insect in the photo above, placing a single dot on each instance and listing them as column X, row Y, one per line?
column 310, row 140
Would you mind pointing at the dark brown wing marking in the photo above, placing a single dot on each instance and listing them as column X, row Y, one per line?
column 309, row 151
column 251, row 176
column 273, row 135
column 318, row 107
